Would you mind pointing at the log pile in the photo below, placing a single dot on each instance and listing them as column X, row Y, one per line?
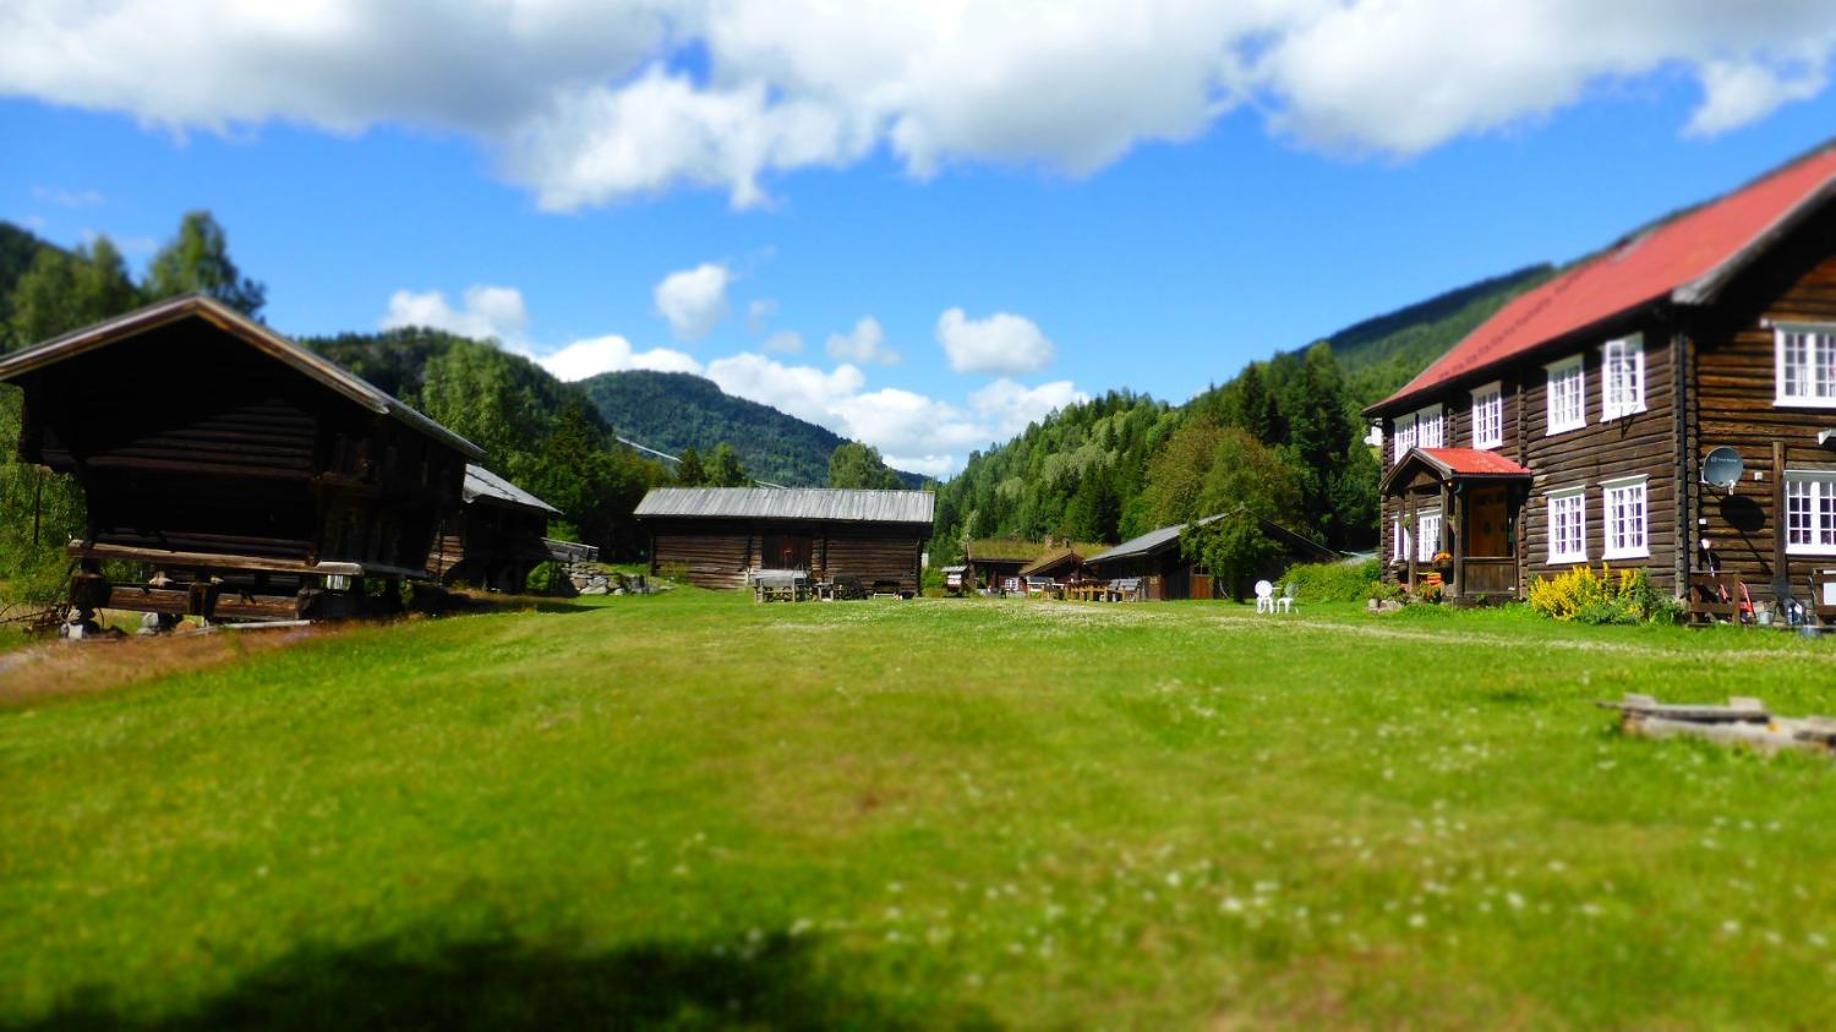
column 1743, row 721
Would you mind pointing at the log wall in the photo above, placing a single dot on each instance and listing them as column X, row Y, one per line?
column 719, row 553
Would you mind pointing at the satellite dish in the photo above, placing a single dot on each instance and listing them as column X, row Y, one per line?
column 1722, row 468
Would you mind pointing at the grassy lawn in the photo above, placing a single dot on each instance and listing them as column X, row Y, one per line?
column 690, row 809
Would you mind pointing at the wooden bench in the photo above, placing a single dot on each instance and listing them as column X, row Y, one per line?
column 1713, row 596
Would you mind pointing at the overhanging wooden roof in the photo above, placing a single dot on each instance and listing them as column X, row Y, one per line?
column 483, row 485
column 824, row 504
column 209, row 310
column 1052, row 559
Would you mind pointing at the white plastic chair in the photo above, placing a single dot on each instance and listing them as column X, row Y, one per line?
column 1286, row 601
column 1265, row 597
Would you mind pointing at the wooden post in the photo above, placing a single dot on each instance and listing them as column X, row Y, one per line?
column 1781, row 572
column 1412, row 533
column 1456, row 540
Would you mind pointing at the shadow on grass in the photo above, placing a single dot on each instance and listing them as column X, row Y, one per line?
column 503, row 984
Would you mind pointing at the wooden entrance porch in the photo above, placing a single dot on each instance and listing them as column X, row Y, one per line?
column 1453, row 522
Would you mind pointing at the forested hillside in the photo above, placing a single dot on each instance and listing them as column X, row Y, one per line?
column 1283, row 436
column 674, row 412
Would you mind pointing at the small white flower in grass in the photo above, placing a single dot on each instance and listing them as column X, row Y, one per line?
column 1817, row 939
column 1590, row 909
column 1418, row 920
column 1173, row 879
column 801, row 925
column 1231, row 905
column 1516, row 901
column 1730, row 927
column 1557, row 866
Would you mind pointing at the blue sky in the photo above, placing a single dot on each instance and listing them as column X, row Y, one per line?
column 1157, row 248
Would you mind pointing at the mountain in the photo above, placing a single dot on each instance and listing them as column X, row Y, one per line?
column 1385, row 352
column 674, row 411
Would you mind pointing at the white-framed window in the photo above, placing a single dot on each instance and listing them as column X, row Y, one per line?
column 1400, row 540
column 1810, row 512
column 1623, row 502
column 1806, row 365
column 1622, row 377
column 1427, row 534
column 1430, row 428
column 1488, row 416
column 1404, row 437
column 1567, row 395
column 1568, row 525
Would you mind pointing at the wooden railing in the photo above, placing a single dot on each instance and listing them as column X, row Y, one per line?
column 1488, row 576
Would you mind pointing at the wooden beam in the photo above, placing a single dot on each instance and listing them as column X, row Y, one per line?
column 1781, row 571
column 223, row 560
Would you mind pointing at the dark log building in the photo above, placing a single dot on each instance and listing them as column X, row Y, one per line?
column 498, row 536
column 1165, row 572
column 246, row 477
column 1573, row 426
column 715, row 537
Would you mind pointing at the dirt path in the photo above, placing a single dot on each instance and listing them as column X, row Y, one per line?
column 55, row 669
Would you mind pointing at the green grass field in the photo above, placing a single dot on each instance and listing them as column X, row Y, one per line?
column 693, row 810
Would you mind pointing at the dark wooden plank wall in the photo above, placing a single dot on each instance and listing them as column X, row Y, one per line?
column 187, row 439
column 1734, row 406
column 718, row 553
column 1644, row 443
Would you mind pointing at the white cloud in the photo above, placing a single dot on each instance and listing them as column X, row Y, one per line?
column 613, row 353
column 913, row 431
column 584, row 103
column 866, row 344
column 1001, row 343
column 803, row 391
column 32, row 222
column 1737, row 93
column 759, row 313
column 487, row 312
column 783, row 342
column 694, row 300
column 68, row 198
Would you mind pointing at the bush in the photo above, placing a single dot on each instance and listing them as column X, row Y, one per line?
column 1591, row 597
column 1333, row 582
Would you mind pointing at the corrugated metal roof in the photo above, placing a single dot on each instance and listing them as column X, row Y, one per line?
column 1152, row 541
column 1155, row 540
column 227, row 319
column 795, row 503
column 482, row 483
column 1686, row 259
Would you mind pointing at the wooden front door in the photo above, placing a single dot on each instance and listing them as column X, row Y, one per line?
column 1488, row 515
column 785, row 552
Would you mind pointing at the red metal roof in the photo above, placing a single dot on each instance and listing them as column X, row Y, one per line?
column 1473, row 462
column 1688, row 256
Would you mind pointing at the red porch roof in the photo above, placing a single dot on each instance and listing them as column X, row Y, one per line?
column 1686, row 259
column 1474, row 462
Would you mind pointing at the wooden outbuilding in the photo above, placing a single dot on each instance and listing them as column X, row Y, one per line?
column 246, row 477
column 1003, row 564
column 1156, row 562
column 498, row 536
column 1061, row 565
column 715, row 537
column 1576, row 425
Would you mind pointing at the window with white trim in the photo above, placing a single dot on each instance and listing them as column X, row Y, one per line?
column 1623, row 501
column 1622, row 377
column 1404, row 436
column 1488, row 416
column 1568, row 525
column 1810, row 512
column 1399, row 541
column 1567, row 395
column 1806, row 365
column 1430, row 428
column 1427, row 534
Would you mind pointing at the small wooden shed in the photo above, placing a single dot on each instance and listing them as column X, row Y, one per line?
column 498, row 536
column 715, row 537
column 1156, row 560
column 247, row 477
